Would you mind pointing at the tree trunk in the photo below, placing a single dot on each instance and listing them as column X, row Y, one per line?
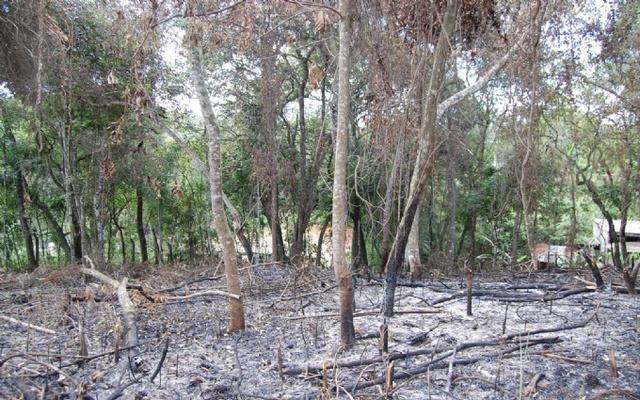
column 323, row 231
column 302, row 215
column 270, row 94
column 21, row 205
column 412, row 253
column 388, row 204
column 427, row 146
column 144, row 254
column 339, row 217
column 98, row 221
column 123, row 245
column 274, row 224
column 359, row 261
column 220, row 221
column 157, row 250
column 515, row 235
column 52, row 223
column 133, row 250
column 527, row 177
column 452, row 197
column 69, row 194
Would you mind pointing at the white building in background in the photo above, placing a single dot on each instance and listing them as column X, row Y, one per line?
column 632, row 234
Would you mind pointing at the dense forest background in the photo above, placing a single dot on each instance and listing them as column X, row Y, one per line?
column 517, row 121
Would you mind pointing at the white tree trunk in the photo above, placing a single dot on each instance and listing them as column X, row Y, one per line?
column 220, row 223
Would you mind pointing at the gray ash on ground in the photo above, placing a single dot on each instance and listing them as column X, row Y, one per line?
column 291, row 324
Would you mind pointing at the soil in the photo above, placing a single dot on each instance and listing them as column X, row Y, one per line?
column 292, row 330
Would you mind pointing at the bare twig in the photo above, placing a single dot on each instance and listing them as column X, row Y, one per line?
column 162, row 357
column 205, row 293
column 28, row 325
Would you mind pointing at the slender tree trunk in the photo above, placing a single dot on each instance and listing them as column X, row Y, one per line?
column 52, row 223
column 323, row 231
column 427, row 145
column 32, row 260
column 274, row 224
column 98, row 219
column 220, row 222
column 515, row 235
column 270, row 94
column 123, row 245
column 412, row 252
column 452, row 197
column 527, row 176
column 144, row 254
column 156, row 246
column 339, row 217
column 388, row 204
column 302, row 215
column 69, row 194
column 133, row 250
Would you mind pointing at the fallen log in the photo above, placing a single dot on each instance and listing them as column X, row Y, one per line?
column 128, row 312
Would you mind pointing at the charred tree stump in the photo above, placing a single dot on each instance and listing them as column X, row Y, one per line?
column 595, row 271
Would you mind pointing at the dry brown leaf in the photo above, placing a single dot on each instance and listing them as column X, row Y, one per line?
column 321, row 21
column 155, row 185
column 112, row 79
column 177, row 190
column 108, row 168
column 315, row 76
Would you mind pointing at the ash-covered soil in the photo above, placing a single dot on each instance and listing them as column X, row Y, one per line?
column 532, row 335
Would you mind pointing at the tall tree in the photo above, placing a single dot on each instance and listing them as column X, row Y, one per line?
column 220, row 222
column 21, row 199
column 427, row 145
column 340, row 196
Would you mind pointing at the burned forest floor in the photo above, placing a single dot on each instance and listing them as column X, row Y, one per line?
column 542, row 335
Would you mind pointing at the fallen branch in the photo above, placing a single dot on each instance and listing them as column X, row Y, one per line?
column 162, row 357
column 613, row 392
column 504, row 339
column 205, row 293
column 564, row 358
column 128, row 309
column 43, row 363
column 28, row 326
column 363, row 314
column 100, row 276
column 442, row 363
column 502, row 296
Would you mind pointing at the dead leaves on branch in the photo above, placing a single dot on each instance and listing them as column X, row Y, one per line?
column 315, row 76
column 108, row 168
column 321, row 21
column 177, row 190
column 155, row 184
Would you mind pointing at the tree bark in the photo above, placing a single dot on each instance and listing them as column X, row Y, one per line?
column 144, row 254
column 412, row 252
column 339, row 216
column 388, row 204
column 323, row 231
column 220, row 222
column 98, row 220
column 452, row 197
